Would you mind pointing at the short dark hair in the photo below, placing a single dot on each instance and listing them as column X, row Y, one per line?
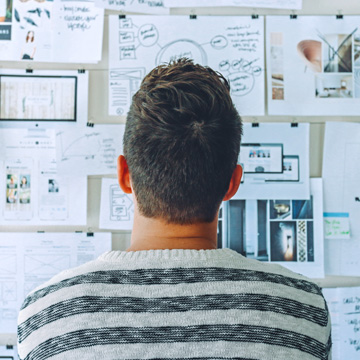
column 181, row 142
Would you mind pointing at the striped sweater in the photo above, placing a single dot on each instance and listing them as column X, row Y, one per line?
column 175, row 304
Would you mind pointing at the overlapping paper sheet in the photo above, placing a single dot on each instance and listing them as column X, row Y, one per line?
column 137, row 6
column 27, row 260
column 89, row 150
column 276, row 4
column 341, row 174
column 33, row 192
column 313, row 65
column 49, row 98
column 232, row 45
column 53, row 31
column 117, row 208
column 275, row 160
column 344, row 304
column 286, row 232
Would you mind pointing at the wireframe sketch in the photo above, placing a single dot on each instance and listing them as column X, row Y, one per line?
column 230, row 46
column 123, row 85
column 46, row 265
column 121, row 204
column 8, row 264
column 8, row 291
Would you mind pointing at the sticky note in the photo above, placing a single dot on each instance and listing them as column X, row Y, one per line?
column 337, row 225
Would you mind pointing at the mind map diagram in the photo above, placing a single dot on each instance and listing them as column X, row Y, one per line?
column 234, row 49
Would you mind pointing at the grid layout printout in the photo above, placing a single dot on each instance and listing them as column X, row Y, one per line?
column 27, row 260
column 286, row 232
column 231, row 45
column 313, row 65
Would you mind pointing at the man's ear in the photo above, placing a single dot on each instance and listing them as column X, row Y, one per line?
column 234, row 183
column 123, row 175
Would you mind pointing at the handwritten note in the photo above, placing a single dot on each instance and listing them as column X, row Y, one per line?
column 136, row 6
column 337, row 225
column 344, row 306
column 78, row 31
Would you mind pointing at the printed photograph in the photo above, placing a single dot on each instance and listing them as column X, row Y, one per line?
column 283, row 241
column 277, row 59
column 337, row 53
column 357, row 50
column 334, row 86
column 277, row 93
column 11, row 188
column 357, row 82
column 53, row 186
column 24, row 190
column 5, row 11
column 310, row 53
column 302, row 209
column 280, row 209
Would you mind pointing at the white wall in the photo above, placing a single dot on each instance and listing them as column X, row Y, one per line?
column 98, row 101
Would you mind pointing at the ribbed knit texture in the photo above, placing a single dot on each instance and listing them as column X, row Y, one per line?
column 175, row 304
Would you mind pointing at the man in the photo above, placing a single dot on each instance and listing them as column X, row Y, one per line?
column 172, row 294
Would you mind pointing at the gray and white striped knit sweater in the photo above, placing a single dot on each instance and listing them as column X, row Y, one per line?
column 175, row 304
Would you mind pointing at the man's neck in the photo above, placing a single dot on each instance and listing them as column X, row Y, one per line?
column 155, row 234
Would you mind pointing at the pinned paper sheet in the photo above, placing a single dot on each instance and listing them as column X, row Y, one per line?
column 337, row 225
column 33, row 192
column 341, row 175
column 232, row 45
column 275, row 160
column 344, row 307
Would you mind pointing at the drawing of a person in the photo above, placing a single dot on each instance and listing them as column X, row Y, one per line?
column 29, row 48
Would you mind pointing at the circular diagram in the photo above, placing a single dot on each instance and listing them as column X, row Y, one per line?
column 179, row 49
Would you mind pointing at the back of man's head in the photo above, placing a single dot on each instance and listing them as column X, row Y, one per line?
column 182, row 142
